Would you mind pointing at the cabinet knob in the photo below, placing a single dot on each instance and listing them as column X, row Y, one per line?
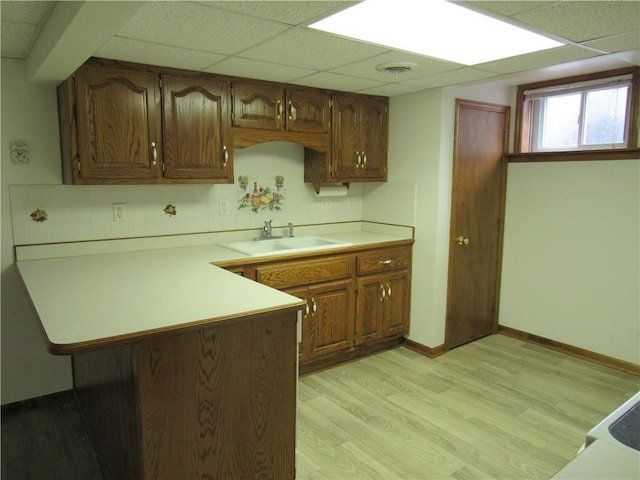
column 462, row 241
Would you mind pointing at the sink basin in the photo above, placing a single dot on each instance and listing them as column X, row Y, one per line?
column 277, row 246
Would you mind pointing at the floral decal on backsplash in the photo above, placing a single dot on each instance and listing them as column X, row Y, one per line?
column 259, row 196
column 38, row 215
column 170, row 210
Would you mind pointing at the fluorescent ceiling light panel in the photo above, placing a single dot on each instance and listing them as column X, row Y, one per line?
column 435, row 28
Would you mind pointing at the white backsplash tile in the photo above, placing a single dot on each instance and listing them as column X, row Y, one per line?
column 82, row 212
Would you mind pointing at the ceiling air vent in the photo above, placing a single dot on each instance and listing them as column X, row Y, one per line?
column 396, row 68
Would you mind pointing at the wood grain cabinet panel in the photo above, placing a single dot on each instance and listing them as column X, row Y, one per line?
column 268, row 106
column 131, row 124
column 196, row 132
column 305, row 272
column 215, row 402
column 119, row 123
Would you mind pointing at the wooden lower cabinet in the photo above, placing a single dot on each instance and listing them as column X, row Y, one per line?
column 215, row 402
column 325, row 329
column 383, row 306
column 355, row 303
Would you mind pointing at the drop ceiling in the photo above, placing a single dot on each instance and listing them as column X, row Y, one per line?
column 269, row 40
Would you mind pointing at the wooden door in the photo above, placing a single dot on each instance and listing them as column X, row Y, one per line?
column 119, row 124
column 346, row 136
column 375, row 113
column 331, row 317
column 196, row 129
column 257, row 105
column 308, row 110
column 369, row 309
column 477, row 215
column 396, row 305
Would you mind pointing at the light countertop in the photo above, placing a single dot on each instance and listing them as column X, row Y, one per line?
column 95, row 300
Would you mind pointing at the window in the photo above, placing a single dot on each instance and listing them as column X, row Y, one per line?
column 588, row 113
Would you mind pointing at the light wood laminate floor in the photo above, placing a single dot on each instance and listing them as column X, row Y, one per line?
column 495, row 408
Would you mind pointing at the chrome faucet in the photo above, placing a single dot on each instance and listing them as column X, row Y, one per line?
column 290, row 230
column 267, row 229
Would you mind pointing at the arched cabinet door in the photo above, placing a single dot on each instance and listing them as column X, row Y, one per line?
column 119, row 123
column 196, row 134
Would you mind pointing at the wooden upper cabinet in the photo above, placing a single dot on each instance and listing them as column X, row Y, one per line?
column 196, row 134
column 128, row 124
column 273, row 107
column 308, row 110
column 360, row 133
column 118, row 121
column 258, row 105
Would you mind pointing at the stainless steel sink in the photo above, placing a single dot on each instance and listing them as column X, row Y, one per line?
column 275, row 246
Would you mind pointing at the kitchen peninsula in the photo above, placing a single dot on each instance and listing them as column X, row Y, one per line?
column 182, row 369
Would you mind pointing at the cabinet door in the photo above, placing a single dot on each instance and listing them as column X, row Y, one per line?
column 308, row 111
column 331, row 317
column 119, row 124
column 196, row 129
column 304, row 346
column 370, row 309
column 257, row 105
column 346, row 142
column 396, row 304
column 375, row 114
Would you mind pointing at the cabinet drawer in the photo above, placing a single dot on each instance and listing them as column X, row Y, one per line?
column 384, row 259
column 290, row 274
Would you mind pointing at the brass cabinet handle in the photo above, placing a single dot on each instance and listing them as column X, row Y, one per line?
column 225, row 155
column 385, row 262
column 358, row 159
column 154, row 153
column 306, row 308
column 293, row 112
column 314, row 307
column 364, row 160
column 279, row 109
column 383, row 293
column 388, row 291
column 462, row 241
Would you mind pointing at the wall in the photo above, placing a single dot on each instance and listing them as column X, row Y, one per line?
column 571, row 245
column 571, row 262
column 76, row 213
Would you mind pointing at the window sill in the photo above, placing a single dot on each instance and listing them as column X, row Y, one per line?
column 585, row 155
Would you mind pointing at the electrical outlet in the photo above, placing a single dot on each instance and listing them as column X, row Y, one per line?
column 119, row 212
column 223, row 206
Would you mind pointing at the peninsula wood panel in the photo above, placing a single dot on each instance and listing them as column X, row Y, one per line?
column 218, row 402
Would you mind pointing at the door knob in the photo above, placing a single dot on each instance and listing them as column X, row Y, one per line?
column 462, row 240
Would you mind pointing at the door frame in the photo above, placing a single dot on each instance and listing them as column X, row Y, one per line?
column 459, row 103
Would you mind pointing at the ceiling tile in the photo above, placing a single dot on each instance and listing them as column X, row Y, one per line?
column 246, row 68
column 617, row 43
column 424, row 66
column 198, row 27
column 584, row 20
column 25, row 12
column 462, row 75
column 333, row 81
column 129, row 50
column 289, row 12
column 531, row 61
column 502, row 7
column 302, row 47
column 391, row 90
column 17, row 39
